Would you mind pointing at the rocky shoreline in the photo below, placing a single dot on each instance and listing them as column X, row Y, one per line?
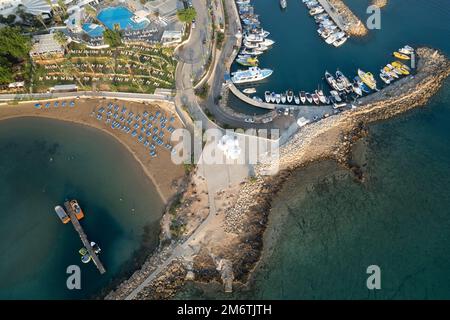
column 246, row 214
column 380, row 3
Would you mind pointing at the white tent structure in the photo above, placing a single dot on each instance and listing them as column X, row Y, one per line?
column 230, row 147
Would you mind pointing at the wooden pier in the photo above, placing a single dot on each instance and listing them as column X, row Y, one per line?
column 83, row 237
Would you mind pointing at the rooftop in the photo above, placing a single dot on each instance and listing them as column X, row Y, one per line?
column 45, row 43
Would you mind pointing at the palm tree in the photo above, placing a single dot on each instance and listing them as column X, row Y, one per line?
column 61, row 38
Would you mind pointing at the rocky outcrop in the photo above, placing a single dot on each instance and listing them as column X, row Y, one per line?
column 380, row 3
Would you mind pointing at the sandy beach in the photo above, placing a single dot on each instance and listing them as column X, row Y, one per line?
column 164, row 174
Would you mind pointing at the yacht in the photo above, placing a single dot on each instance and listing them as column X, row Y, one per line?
column 252, row 74
column 253, row 38
column 252, row 52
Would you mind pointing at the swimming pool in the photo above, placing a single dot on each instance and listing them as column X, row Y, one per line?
column 119, row 15
column 93, row 30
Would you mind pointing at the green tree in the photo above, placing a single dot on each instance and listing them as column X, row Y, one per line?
column 112, row 37
column 61, row 38
column 186, row 15
column 15, row 46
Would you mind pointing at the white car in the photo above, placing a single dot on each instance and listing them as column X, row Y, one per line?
column 249, row 120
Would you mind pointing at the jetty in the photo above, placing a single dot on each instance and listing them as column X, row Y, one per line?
column 334, row 15
column 83, row 237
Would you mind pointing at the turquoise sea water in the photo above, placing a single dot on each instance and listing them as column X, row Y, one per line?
column 43, row 162
column 325, row 229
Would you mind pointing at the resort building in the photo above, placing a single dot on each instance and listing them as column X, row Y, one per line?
column 45, row 45
column 173, row 33
column 164, row 8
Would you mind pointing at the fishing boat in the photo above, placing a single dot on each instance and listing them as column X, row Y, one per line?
column 290, row 96
column 249, row 90
column 283, row 98
column 283, row 4
column 302, row 97
column 309, row 97
column 252, row 74
column 335, row 95
column 267, row 96
column 401, row 56
column 62, row 215
column 368, row 79
column 315, row 98
column 296, row 100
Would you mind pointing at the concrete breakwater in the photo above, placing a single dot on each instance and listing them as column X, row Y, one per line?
column 246, row 215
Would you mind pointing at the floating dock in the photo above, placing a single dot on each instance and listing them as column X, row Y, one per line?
column 83, row 237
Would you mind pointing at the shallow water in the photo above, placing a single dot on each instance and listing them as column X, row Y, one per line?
column 43, row 162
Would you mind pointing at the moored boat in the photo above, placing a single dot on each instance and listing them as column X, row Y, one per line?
column 62, row 215
column 309, row 97
column 296, row 100
column 249, row 90
column 303, row 97
column 290, row 96
column 401, row 56
column 252, row 74
column 368, row 79
column 315, row 98
column 267, row 96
